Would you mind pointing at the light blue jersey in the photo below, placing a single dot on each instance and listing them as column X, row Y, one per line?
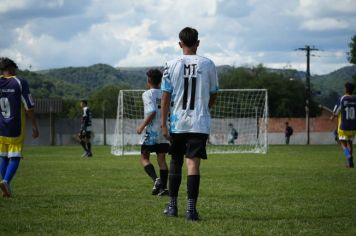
column 152, row 103
column 190, row 79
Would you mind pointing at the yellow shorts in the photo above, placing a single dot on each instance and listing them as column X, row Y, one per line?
column 347, row 135
column 11, row 150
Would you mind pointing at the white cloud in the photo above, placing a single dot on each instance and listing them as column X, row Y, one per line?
column 322, row 8
column 11, row 5
column 61, row 33
column 324, row 24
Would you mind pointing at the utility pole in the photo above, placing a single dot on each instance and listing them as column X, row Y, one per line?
column 307, row 48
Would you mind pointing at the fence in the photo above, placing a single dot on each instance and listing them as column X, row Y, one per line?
column 65, row 131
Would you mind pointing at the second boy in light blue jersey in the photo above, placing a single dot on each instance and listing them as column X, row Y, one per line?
column 153, row 140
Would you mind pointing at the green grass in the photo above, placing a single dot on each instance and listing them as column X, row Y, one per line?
column 293, row 190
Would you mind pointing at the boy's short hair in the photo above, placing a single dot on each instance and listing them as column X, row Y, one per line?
column 349, row 87
column 7, row 64
column 188, row 36
column 155, row 76
column 84, row 101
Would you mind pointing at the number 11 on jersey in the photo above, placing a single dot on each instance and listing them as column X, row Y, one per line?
column 190, row 72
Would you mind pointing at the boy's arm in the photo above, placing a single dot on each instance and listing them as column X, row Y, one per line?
column 165, row 101
column 31, row 115
column 145, row 122
column 212, row 100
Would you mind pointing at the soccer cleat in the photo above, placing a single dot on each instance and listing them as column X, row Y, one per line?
column 192, row 215
column 163, row 192
column 156, row 186
column 85, row 154
column 171, row 211
column 5, row 188
column 89, row 154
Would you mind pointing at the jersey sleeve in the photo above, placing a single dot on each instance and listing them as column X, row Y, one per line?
column 148, row 103
column 166, row 84
column 337, row 107
column 86, row 113
column 26, row 97
column 213, row 77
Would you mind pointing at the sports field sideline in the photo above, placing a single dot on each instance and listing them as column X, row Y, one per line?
column 292, row 190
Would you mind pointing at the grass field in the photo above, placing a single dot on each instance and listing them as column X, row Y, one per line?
column 293, row 190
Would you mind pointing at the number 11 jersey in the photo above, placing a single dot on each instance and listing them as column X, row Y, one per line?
column 190, row 79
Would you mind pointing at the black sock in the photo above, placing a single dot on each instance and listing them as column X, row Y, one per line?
column 175, row 175
column 150, row 170
column 173, row 202
column 193, row 182
column 84, row 145
column 164, row 177
column 351, row 162
column 89, row 146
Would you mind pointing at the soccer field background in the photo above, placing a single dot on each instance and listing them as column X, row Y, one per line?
column 292, row 190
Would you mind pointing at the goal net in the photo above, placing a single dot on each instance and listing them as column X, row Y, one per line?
column 238, row 124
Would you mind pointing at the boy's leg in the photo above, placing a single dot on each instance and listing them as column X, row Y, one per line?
column 3, row 166
column 149, row 168
column 177, row 150
column 89, row 148
column 193, row 184
column 175, row 179
column 347, row 152
column 350, row 160
column 84, row 145
column 163, row 169
column 88, row 143
column 12, row 169
column 4, row 149
column 195, row 152
column 9, row 174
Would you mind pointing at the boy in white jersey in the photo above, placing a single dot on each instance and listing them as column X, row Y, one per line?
column 153, row 140
column 189, row 86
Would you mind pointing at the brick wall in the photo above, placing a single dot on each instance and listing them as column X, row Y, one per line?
column 318, row 124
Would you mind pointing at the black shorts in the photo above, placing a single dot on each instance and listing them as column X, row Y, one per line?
column 157, row 148
column 83, row 135
column 189, row 144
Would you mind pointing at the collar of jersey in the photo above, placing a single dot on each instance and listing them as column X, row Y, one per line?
column 8, row 77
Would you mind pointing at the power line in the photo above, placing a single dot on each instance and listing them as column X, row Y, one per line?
column 308, row 49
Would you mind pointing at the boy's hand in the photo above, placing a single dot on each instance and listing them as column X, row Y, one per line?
column 35, row 132
column 139, row 130
column 165, row 133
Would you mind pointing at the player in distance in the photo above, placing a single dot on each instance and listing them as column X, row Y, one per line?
column 85, row 129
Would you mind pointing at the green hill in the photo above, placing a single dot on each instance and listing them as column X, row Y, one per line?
column 77, row 82
column 333, row 81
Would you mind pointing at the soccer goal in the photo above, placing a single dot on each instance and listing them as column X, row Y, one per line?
column 239, row 122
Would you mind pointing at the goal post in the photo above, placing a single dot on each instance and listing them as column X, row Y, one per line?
column 238, row 122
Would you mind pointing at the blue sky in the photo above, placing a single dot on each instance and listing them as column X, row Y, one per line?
column 43, row 34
